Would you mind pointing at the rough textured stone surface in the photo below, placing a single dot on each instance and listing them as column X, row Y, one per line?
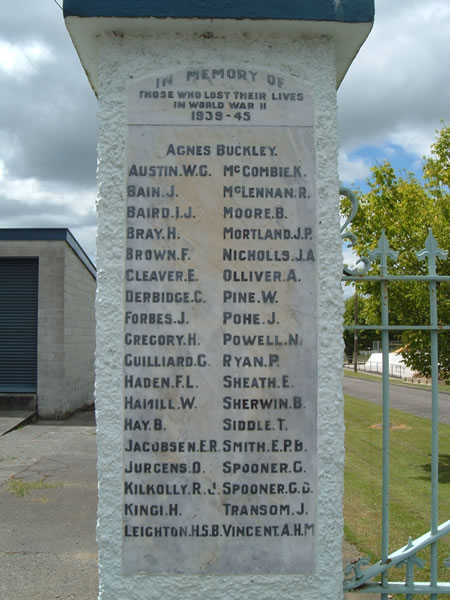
column 311, row 61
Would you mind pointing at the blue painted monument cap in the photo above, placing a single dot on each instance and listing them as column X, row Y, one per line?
column 348, row 22
column 348, row 11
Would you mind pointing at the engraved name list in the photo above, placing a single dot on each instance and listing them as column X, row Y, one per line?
column 219, row 446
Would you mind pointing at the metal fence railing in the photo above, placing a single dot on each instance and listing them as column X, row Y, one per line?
column 376, row 368
column 363, row 577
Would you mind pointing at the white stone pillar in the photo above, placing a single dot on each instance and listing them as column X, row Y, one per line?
column 297, row 58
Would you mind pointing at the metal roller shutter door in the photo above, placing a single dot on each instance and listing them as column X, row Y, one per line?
column 18, row 324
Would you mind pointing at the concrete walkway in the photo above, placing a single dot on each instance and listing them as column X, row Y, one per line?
column 47, row 536
column 10, row 419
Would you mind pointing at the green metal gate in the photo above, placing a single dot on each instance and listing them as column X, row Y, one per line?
column 360, row 576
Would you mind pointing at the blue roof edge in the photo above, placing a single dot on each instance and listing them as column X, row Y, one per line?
column 50, row 234
column 347, row 11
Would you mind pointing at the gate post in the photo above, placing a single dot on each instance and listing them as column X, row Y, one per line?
column 219, row 308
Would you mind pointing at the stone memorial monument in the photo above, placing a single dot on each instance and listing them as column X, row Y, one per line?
column 218, row 396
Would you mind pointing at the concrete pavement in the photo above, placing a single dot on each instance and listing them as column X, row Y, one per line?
column 47, row 537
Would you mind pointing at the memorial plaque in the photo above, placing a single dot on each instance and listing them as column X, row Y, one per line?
column 220, row 346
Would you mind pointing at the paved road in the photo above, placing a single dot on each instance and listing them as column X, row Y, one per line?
column 408, row 399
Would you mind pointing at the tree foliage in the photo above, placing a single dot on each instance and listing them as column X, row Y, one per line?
column 406, row 208
column 366, row 337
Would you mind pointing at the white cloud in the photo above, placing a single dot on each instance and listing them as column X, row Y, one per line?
column 397, row 90
column 20, row 61
column 46, row 214
column 31, row 192
column 352, row 169
column 348, row 290
column 396, row 93
column 33, row 203
column 351, row 258
column 414, row 141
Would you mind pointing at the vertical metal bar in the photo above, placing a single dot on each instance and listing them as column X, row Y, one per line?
column 434, row 433
column 431, row 252
column 383, row 252
column 409, row 579
column 386, row 430
column 355, row 334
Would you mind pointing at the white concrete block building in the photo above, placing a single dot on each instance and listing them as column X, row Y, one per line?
column 47, row 322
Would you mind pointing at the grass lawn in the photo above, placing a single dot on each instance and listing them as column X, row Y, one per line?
column 410, row 489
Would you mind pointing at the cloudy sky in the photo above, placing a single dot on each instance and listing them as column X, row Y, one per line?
column 391, row 103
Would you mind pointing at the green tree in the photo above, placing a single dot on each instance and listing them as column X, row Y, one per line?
column 406, row 209
column 366, row 337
